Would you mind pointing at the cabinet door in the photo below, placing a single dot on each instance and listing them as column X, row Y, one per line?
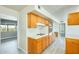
column 76, row 49
column 32, row 20
column 45, row 42
column 46, row 22
column 50, row 39
column 39, row 45
column 72, row 47
column 40, row 20
column 30, row 45
column 73, row 19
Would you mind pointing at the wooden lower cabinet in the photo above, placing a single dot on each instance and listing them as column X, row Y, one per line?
column 34, row 46
column 37, row 46
column 72, row 46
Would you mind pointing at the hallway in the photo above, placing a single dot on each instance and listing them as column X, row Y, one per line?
column 9, row 46
column 58, row 47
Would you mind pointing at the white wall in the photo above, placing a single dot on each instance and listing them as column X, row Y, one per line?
column 8, row 13
column 32, row 32
column 72, row 31
column 22, row 29
column 55, row 26
column 62, row 15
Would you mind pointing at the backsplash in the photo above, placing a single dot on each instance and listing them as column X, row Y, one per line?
column 35, row 31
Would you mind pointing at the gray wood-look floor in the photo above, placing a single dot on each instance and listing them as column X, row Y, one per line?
column 9, row 46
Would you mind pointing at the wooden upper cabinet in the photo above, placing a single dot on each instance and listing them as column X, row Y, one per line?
column 42, row 20
column 73, row 19
column 39, row 19
column 32, row 20
column 46, row 22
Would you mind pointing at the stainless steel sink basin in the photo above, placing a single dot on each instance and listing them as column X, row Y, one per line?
column 40, row 34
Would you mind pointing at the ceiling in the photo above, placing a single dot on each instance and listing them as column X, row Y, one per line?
column 15, row 7
column 53, row 8
column 59, row 11
column 49, row 8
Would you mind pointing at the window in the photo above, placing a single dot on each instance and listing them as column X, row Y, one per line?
column 3, row 28
column 7, row 28
column 0, row 28
column 11, row 28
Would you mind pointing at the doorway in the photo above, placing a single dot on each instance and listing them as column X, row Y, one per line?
column 8, row 36
column 62, row 29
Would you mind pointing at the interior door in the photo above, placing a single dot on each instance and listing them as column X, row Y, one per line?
column 62, row 29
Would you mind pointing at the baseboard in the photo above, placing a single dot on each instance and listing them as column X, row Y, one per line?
column 22, row 50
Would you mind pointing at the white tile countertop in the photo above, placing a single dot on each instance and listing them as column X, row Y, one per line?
column 38, row 36
column 33, row 32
